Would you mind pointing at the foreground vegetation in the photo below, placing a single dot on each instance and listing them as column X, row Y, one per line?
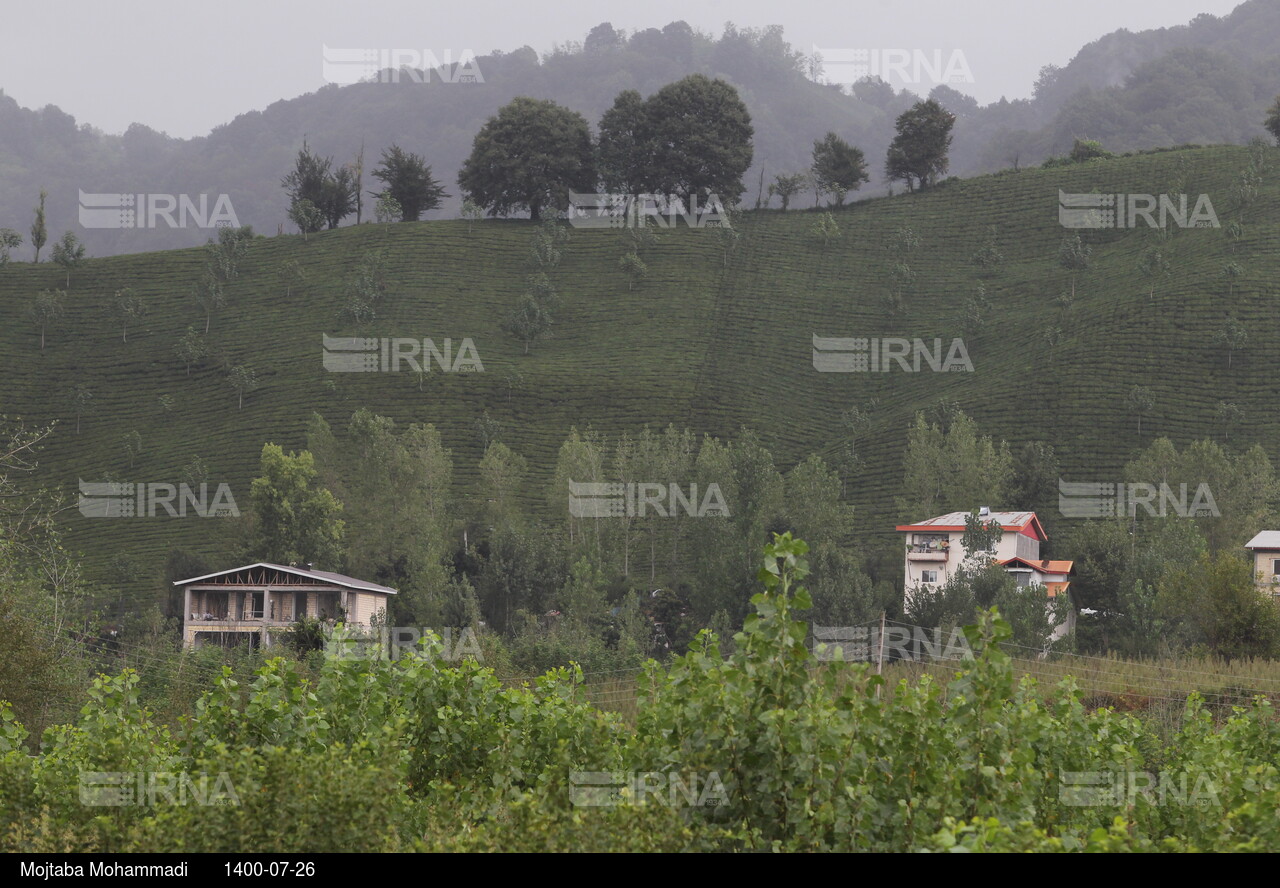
column 752, row 751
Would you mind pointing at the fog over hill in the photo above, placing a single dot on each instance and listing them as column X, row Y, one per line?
column 1205, row 82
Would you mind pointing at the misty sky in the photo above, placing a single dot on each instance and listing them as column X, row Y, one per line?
column 184, row 67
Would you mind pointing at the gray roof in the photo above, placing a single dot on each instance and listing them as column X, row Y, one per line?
column 323, row 576
column 954, row 519
column 1267, row 539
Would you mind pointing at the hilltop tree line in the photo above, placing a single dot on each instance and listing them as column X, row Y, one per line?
column 691, row 139
column 1116, row 89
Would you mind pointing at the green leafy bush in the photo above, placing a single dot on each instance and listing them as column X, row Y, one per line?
column 765, row 748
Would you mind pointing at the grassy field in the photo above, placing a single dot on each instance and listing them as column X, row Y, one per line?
column 1156, row 689
column 698, row 343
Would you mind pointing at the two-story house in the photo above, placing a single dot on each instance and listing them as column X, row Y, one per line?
column 1265, row 549
column 248, row 604
column 935, row 549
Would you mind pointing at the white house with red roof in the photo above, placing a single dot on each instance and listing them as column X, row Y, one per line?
column 1265, row 550
column 251, row 603
column 935, row 550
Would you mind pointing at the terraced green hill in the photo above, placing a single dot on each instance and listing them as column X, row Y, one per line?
column 698, row 343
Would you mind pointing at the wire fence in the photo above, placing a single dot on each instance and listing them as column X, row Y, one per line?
column 896, row 649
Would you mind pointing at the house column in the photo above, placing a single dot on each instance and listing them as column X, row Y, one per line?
column 266, row 617
column 186, row 613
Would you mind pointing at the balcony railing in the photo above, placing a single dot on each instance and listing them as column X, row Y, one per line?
column 253, row 617
column 927, row 552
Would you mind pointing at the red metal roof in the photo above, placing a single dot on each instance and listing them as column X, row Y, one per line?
column 1042, row 565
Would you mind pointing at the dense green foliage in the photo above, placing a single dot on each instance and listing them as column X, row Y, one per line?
column 919, row 153
column 409, row 182
column 691, row 138
column 313, row 182
column 838, row 167
column 528, row 157
column 701, row 136
column 758, row 750
column 296, row 520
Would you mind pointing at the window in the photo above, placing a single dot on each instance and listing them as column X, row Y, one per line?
column 1275, row 567
column 251, row 606
column 330, row 606
column 216, row 606
column 928, row 576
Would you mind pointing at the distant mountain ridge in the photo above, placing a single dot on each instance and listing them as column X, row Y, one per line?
column 1208, row 82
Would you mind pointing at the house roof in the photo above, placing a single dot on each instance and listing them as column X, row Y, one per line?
column 323, row 576
column 1042, row 565
column 1267, row 539
column 1056, row 589
column 1009, row 521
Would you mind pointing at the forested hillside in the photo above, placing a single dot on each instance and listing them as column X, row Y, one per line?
column 716, row 337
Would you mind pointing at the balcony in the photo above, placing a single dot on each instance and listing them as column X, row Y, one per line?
column 249, row 619
column 223, row 621
column 927, row 552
